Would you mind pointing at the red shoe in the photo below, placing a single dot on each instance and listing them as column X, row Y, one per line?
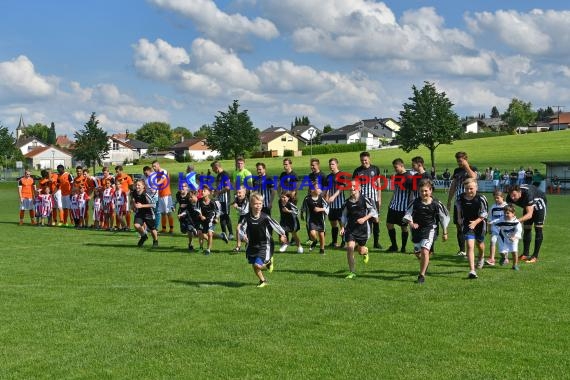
column 523, row 258
column 532, row 260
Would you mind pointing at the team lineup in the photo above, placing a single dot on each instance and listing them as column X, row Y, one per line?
column 350, row 201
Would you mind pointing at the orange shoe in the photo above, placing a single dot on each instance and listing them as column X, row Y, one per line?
column 21, row 223
column 523, row 258
column 532, row 260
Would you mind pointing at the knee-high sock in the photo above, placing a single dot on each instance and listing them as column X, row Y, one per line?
column 527, row 237
column 54, row 213
column 537, row 241
column 334, row 234
column 21, row 214
column 376, row 232
column 405, row 235
column 65, row 215
column 128, row 219
column 392, row 235
column 61, row 213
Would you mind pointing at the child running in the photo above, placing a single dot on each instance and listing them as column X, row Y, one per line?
column 256, row 230
column 496, row 212
column 241, row 204
column 423, row 216
column 355, row 227
column 209, row 214
column 316, row 209
column 509, row 233
column 144, row 206
column 189, row 215
column 472, row 215
column 289, row 221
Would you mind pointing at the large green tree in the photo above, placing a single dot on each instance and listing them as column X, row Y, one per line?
column 157, row 134
column 428, row 120
column 8, row 151
column 519, row 114
column 52, row 136
column 179, row 132
column 202, row 133
column 91, row 144
column 37, row 130
column 495, row 112
column 232, row 133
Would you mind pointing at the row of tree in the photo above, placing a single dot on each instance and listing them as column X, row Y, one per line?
column 428, row 120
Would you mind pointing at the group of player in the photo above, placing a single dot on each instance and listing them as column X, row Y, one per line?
column 202, row 206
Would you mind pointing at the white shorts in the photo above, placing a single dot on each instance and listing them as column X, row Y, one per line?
column 165, row 204
column 508, row 246
column 424, row 243
column 66, row 201
column 27, row 204
column 57, row 199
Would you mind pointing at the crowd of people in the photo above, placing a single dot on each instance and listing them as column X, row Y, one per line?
column 351, row 201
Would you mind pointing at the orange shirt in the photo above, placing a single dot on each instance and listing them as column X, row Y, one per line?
column 65, row 180
column 45, row 182
column 27, row 187
column 80, row 181
column 108, row 179
column 53, row 182
column 90, row 184
column 126, row 182
column 163, row 183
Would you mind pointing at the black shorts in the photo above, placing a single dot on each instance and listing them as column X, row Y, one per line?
column 335, row 214
column 149, row 221
column 396, row 218
column 290, row 224
column 263, row 251
column 358, row 233
column 241, row 219
column 538, row 217
column 316, row 226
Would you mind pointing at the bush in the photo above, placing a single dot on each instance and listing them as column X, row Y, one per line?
column 334, row 148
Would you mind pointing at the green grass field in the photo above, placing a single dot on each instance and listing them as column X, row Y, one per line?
column 89, row 304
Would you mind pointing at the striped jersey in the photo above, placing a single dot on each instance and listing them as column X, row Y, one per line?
column 334, row 185
column 402, row 195
column 460, row 175
column 367, row 189
column 530, row 196
column 265, row 186
column 242, row 206
column 223, row 183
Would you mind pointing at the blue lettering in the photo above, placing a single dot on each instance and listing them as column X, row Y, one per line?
column 306, row 181
column 246, row 181
column 207, row 180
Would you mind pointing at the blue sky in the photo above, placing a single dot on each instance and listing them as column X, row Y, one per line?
column 336, row 61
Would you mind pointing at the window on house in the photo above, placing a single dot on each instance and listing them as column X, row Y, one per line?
column 115, row 145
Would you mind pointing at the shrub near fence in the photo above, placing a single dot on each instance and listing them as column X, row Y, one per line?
column 334, row 148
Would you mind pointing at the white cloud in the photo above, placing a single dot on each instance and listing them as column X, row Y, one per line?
column 159, row 60
column 367, row 31
column 19, row 80
column 225, row 29
column 537, row 32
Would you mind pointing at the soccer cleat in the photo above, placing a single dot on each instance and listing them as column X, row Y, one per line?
column 480, row 264
column 391, row 249
column 300, row 249
column 231, row 237
column 190, row 248
column 283, row 247
column 461, row 254
column 523, row 258
column 377, row 246
column 351, row 276
column 270, row 266
column 142, row 240
column 262, row 284
column 155, row 244
column 421, row 279
column 207, row 252
column 163, row 231
column 365, row 258
column 532, row 260
column 515, row 267
column 472, row 276
column 224, row 237
column 313, row 245
column 490, row 262
column 403, row 250
column 237, row 249
column 321, row 251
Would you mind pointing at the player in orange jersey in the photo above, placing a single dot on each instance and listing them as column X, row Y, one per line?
column 27, row 190
column 127, row 185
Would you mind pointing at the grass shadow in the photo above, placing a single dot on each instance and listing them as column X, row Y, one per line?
column 201, row 284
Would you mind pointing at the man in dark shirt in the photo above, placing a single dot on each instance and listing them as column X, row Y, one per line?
column 371, row 188
column 533, row 203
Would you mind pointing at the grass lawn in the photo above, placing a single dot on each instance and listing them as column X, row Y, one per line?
column 90, row 304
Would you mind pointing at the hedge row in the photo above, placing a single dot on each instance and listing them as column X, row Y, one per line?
column 334, row 148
